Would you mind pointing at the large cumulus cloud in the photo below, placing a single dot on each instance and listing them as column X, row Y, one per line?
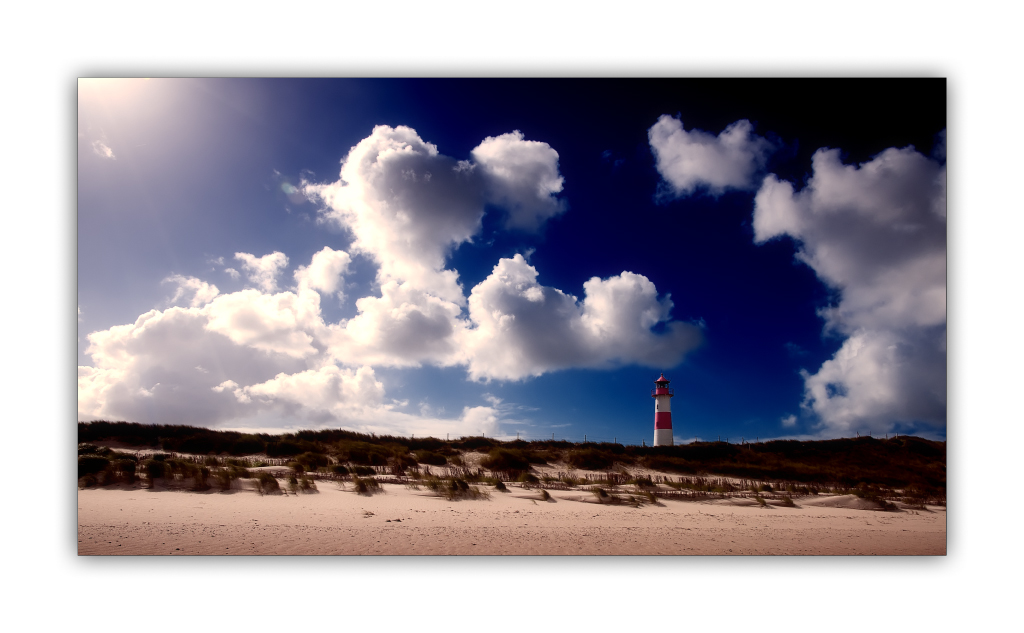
column 522, row 328
column 522, row 176
column 404, row 327
column 161, row 369
column 265, row 352
column 876, row 233
column 406, row 205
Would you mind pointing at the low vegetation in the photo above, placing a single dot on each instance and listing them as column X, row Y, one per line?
column 454, row 488
column 366, row 486
column 906, row 469
column 266, row 484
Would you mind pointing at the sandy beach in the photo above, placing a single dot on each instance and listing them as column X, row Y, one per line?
column 405, row 521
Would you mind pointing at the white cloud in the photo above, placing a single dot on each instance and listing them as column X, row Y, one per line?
column 879, row 378
column 326, row 392
column 263, row 359
column 263, row 271
column 492, row 399
column 102, row 150
column 256, row 358
column 406, row 205
column 696, row 159
column 522, row 176
column 200, row 291
column 401, row 328
column 876, row 233
column 263, row 355
column 158, row 355
column 789, row 421
column 525, row 329
column 325, row 271
column 284, row 323
column 234, row 274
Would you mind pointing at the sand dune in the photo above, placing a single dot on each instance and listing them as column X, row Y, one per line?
column 407, row 521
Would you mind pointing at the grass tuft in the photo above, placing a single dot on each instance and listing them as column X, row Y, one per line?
column 266, row 484
column 366, row 486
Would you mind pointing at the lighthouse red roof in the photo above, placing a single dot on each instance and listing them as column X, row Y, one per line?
column 662, row 379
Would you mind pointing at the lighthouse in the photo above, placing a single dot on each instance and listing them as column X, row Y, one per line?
column 662, row 412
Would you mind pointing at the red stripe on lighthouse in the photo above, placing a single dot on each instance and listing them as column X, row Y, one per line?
column 663, row 420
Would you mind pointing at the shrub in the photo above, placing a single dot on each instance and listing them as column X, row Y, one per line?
column 247, row 445
column 267, row 484
column 362, row 471
column 288, row 448
column 307, row 485
column 590, row 459
column 180, row 467
column 85, row 482
column 91, row 464
column 367, row 486
column 126, row 468
column 455, row 489
column 433, row 484
column 154, row 469
column 476, row 443
column 224, row 477
column 642, row 482
column 430, row 458
column 505, row 459
column 398, row 463
column 545, row 495
column 543, row 457
column 569, row 480
column 312, row 461
column 339, row 469
column 788, row 502
column 527, row 478
column 760, row 501
column 456, row 460
column 500, row 486
column 362, row 453
column 199, row 477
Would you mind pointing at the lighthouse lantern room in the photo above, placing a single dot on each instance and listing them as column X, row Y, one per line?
column 662, row 412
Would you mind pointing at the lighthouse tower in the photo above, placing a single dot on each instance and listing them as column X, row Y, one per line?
column 662, row 412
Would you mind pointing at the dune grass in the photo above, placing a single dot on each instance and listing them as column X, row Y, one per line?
column 907, row 469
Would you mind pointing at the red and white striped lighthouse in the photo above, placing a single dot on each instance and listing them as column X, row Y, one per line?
column 662, row 412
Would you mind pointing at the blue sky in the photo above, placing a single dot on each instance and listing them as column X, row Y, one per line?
column 514, row 256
